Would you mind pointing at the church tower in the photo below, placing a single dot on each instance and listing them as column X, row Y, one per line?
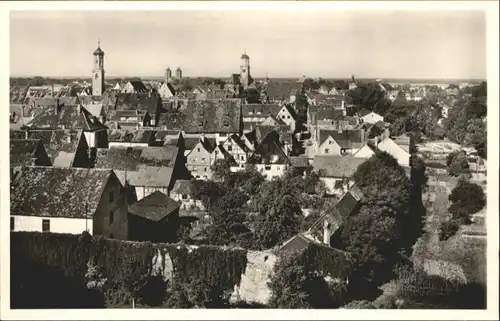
column 168, row 75
column 245, row 78
column 98, row 71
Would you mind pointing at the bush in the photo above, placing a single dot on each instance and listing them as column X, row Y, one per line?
column 359, row 304
column 448, row 229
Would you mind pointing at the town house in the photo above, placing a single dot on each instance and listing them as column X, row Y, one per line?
column 69, row 200
column 238, row 150
column 166, row 90
column 336, row 171
column 200, row 158
column 269, row 158
column 340, row 142
column 134, row 87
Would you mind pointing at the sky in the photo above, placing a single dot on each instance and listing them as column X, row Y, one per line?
column 328, row 44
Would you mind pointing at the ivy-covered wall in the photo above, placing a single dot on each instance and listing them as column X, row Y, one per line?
column 81, row 271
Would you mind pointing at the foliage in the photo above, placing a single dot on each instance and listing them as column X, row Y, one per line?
column 457, row 164
column 416, row 290
column 61, row 262
column 295, row 286
column 467, row 198
column 359, row 304
column 448, row 229
column 375, row 234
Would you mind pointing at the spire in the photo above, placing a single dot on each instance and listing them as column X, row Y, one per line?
column 98, row 43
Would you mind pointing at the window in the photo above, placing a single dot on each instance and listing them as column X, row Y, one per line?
column 203, row 159
column 242, row 157
column 184, row 196
column 111, row 236
column 111, row 217
column 198, row 149
column 226, row 123
column 205, row 169
column 111, row 196
column 45, row 226
column 268, row 167
column 327, row 150
column 288, row 117
column 330, row 142
column 222, row 135
column 12, row 224
column 277, row 167
column 229, row 148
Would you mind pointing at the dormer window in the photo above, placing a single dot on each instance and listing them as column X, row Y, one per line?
column 226, row 123
column 226, row 112
column 200, row 123
column 201, row 112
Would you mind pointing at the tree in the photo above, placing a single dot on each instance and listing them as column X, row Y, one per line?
column 467, row 198
column 375, row 234
column 457, row 164
column 296, row 286
column 476, row 136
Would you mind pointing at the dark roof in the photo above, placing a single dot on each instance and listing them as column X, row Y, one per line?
column 58, row 192
column 346, row 206
column 23, row 151
column 336, row 166
column 134, row 101
column 66, row 117
column 154, row 207
column 324, row 113
column 132, row 136
column 244, row 56
column 139, row 86
column 130, row 158
column 261, row 132
column 33, row 106
column 98, row 52
column 269, row 152
column 61, row 145
column 117, row 115
column 296, row 243
column 345, row 138
column 237, row 140
column 119, row 158
column 208, row 116
column 282, row 90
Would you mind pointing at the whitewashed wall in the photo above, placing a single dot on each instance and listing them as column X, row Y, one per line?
column 57, row 224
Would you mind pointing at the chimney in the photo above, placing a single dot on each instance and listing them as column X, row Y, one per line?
column 52, row 90
column 326, row 233
column 26, row 135
column 79, row 109
column 33, row 161
column 68, row 138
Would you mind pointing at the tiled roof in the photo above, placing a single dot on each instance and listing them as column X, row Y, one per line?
column 130, row 136
column 336, row 166
column 58, row 192
column 269, row 152
column 22, row 151
column 66, row 117
column 260, row 110
column 61, row 145
column 154, row 207
column 144, row 175
column 346, row 138
column 119, row 158
column 34, row 106
column 283, row 132
column 138, row 101
column 209, row 116
column 324, row 113
column 237, row 140
column 346, row 206
column 282, row 90
column 159, row 156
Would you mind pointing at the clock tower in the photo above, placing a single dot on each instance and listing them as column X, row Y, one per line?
column 98, row 71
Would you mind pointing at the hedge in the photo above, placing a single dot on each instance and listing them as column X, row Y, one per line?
column 45, row 263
